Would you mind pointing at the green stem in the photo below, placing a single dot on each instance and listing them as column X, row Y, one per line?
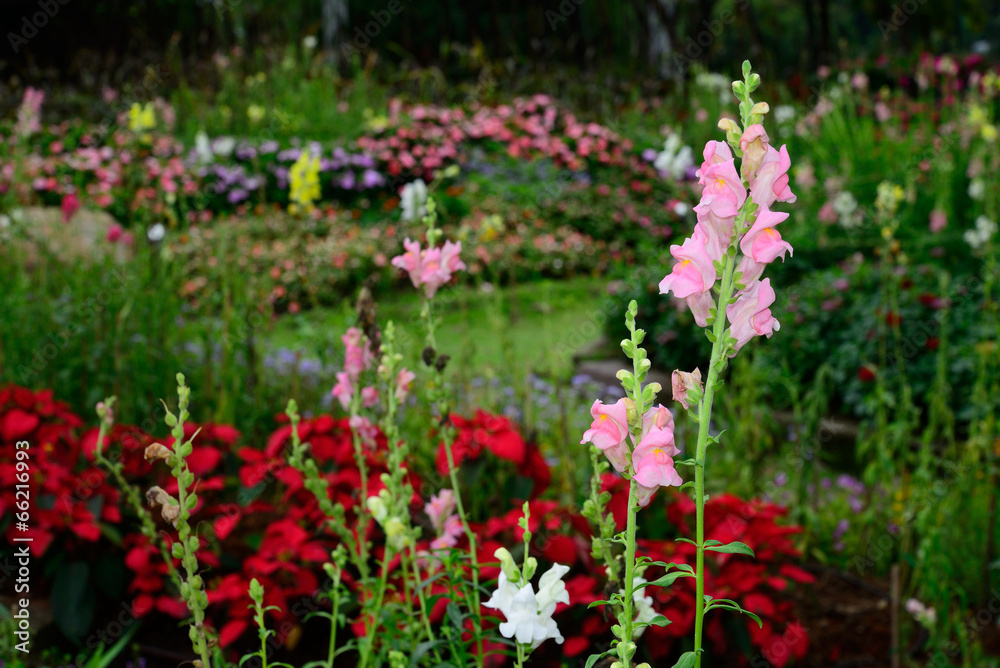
column 331, row 651
column 379, row 596
column 716, row 364
column 629, row 567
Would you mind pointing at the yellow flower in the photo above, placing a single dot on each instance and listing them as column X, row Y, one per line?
column 303, row 178
column 255, row 113
column 989, row 132
column 141, row 117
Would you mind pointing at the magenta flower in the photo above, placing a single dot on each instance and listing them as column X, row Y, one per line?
column 770, row 181
column 762, row 242
column 608, row 432
column 695, row 273
column 750, row 315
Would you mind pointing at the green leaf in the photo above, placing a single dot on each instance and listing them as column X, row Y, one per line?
column 73, row 600
column 681, row 567
column 596, row 603
column 659, row 620
column 735, row 547
column 594, row 658
column 729, row 604
column 687, row 660
column 663, row 580
column 421, row 650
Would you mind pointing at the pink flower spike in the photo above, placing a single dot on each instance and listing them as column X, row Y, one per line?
column 695, row 273
column 764, row 243
column 344, row 389
column 723, row 180
column 750, row 315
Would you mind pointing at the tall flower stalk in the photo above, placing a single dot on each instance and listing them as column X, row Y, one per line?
column 718, row 274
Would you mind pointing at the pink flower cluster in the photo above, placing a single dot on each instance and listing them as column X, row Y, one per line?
column 446, row 522
column 430, row 267
column 652, row 457
column 358, row 358
column 765, row 171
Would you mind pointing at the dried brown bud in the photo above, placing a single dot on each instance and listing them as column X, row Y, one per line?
column 442, row 362
column 428, row 356
column 157, row 451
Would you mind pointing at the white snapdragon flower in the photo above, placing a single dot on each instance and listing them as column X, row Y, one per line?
column 203, row 147
column 983, row 232
column 155, row 232
column 977, row 188
column 643, row 606
column 529, row 617
column 845, row 205
column 674, row 159
column 414, row 200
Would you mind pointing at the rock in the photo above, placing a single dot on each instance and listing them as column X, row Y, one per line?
column 84, row 238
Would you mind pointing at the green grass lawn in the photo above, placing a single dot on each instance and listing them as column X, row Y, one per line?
column 499, row 331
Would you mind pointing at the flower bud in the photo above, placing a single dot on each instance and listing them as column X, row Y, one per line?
column 507, row 565
column 754, row 144
column 686, row 387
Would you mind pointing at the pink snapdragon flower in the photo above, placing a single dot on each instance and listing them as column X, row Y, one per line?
column 762, row 242
column 770, row 181
column 723, row 184
column 701, row 306
column 450, row 534
column 715, row 152
column 344, row 389
column 364, row 428
column 404, row 381
column 441, row 506
column 431, row 267
column 695, row 273
column 750, row 315
column 653, row 455
column 369, row 396
column 608, row 432
column 357, row 355
column 686, row 387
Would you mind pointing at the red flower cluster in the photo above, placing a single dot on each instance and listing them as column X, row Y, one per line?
column 485, row 432
column 68, row 501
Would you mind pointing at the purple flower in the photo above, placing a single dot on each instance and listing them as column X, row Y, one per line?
column 237, row 195
column 649, row 154
column 268, row 147
column 856, row 505
column 371, row 179
column 781, row 479
column 347, row 180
